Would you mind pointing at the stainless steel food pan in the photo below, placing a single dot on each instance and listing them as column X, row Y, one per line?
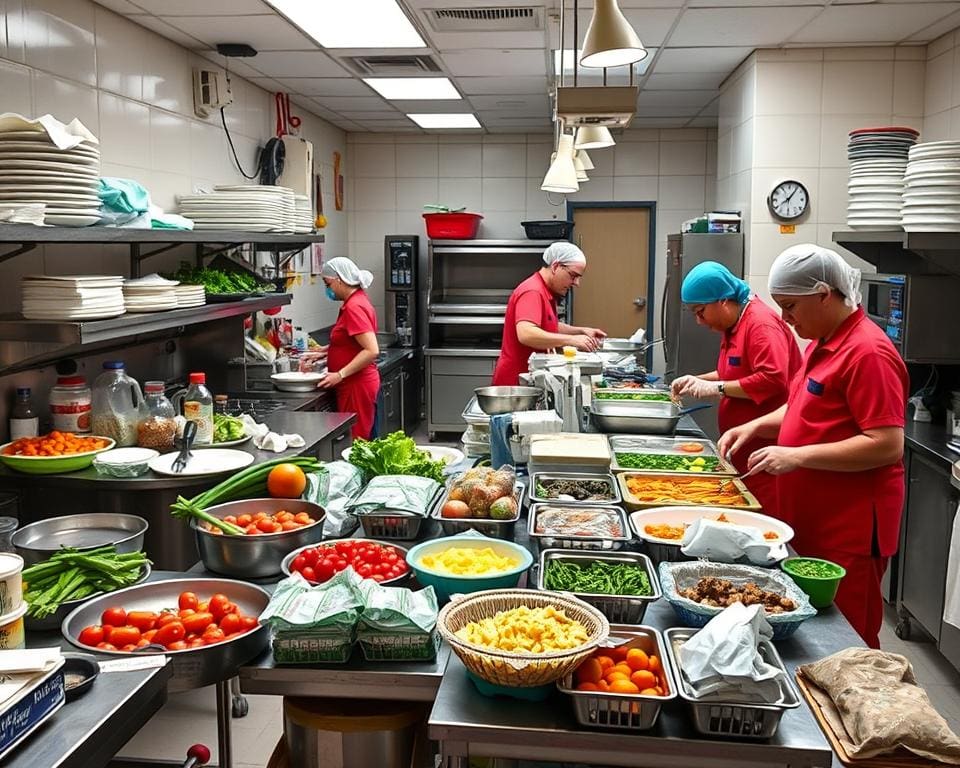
column 37, row 541
column 573, row 541
column 539, row 477
column 497, row 529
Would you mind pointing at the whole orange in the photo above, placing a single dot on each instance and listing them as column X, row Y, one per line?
column 644, row 678
column 286, row 481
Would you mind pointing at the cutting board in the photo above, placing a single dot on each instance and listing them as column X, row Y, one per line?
column 570, row 449
column 816, row 699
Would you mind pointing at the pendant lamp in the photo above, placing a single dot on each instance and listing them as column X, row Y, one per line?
column 580, row 169
column 584, row 159
column 610, row 40
column 593, row 137
column 562, row 174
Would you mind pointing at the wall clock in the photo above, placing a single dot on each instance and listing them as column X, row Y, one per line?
column 788, row 201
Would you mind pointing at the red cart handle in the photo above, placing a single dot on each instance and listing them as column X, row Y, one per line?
column 197, row 756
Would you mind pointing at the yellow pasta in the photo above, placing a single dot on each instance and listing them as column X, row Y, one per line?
column 468, row 561
column 526, row 630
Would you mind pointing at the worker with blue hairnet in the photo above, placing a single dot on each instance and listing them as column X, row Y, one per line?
column 531, row 323
column 758, row 357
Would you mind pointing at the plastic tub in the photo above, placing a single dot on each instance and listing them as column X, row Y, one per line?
column 547, row 230
column 820, row 590
column 11, row 583
column 452, row 226
column 12, row 635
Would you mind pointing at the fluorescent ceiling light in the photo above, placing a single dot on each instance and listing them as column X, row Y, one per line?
column 413, row 87
column 448, row 120
column 352, row 23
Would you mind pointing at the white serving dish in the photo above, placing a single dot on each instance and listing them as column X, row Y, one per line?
column 689, row 515
column 296, row 381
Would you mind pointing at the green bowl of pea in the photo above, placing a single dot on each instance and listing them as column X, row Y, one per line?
column 819, row 578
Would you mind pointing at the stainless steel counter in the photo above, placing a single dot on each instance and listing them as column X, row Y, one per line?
column 930, row 439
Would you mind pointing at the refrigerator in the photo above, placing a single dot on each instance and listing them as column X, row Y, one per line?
column 689, row 348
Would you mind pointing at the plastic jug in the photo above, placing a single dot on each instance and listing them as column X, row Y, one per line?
column 116, row 404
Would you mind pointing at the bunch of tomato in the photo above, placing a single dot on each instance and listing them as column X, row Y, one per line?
column 263, row 522
column 370, row 560
column 193, row 624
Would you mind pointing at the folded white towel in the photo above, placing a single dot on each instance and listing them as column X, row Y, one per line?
column 32, row 660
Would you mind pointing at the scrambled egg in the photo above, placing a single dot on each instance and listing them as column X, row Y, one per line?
column 468, row 561
column 526, row 630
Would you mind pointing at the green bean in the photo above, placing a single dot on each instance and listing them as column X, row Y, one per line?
column 660, row 397
column 599, row 577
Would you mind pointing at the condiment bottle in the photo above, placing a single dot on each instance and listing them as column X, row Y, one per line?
column 157, row 427
column 198, row 407
column 116, row 405
column 24, row 421
column 71, row 401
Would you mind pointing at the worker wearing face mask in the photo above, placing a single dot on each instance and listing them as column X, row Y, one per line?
column 353, row 349
column 758, row 357
column 839, row 437
column 531, row 323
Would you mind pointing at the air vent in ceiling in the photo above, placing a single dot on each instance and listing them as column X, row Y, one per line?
column 391, row 65
column 495, row 19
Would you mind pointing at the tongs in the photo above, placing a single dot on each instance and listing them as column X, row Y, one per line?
column 186, row 442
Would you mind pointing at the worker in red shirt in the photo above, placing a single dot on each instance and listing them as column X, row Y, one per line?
column 758, row 357
column 531, row 323
column 353, row 349
column 838, row 457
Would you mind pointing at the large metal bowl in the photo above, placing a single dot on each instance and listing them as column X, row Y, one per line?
column 494, row 401
column 38, row 541
column 193, row 667
column 255, row 557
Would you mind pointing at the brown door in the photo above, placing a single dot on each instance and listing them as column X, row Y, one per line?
column 613, row 294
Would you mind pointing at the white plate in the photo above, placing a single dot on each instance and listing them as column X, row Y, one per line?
column 41, row 165
column 73, row 160
column 296, row 381
column 63, row 220
column 226, row 443
column 679, row 515
column 33, row 146
column 44, row 176
column 209, row 461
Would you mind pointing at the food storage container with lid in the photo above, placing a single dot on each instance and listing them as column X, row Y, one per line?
column 70, row 403
column 157, row 427
column 116, row 404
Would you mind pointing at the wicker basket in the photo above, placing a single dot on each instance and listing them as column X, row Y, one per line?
column 517, row 670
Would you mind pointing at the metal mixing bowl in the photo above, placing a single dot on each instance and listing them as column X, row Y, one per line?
column 494, row 401
column 254, row 557
column 38, row 541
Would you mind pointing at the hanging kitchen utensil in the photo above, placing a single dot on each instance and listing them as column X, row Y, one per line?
column 321, row 221
column 337, row 183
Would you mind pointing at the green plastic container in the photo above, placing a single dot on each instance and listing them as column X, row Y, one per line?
column 52, row 465
column 820, row 590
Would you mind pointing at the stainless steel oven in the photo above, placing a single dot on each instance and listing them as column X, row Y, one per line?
column 918, row 314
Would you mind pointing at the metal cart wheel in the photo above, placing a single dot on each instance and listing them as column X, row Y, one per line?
column 239, row 706
column 903, row 630
column 432, row 437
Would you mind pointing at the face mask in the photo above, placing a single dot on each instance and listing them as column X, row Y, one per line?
column 330, row 294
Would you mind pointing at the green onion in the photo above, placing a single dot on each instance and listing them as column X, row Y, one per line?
column 667, row 461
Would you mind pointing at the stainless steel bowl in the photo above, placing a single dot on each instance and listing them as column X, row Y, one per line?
column 386, row 582
column 38, row 541
column 255, row 557
column 494, row 401
column 193, row 667
column 55, row 619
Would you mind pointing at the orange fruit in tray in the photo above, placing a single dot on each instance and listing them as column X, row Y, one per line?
column 654, row 665
column 605, row 662
column 622, row 668
column 650, row 692
column 588, row 687
column 637, row 659
column 644, row 678
column 589, row 671
column 623, row 686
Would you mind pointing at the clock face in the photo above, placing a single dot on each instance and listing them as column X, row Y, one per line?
column 788, row 201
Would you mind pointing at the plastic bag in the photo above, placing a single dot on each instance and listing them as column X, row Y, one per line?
column 335, row 605
column 333, row 489
column 393, row 609
column 403, row 494
column 481, row 487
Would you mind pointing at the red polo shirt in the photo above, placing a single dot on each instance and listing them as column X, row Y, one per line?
column 531, row 301
column 760, row 352
column 853, row 382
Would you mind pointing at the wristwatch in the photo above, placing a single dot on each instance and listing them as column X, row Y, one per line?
column 720, row 387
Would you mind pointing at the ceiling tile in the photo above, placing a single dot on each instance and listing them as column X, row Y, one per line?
column 874, row 23
column 537, row 104
column 673, row 111
column 712, row 109
column 206, row 8
column 941, row 27
column 684, row 81
column 170, row 33
column 659, row 122
column 325, row 86
column 459, row 41
column 754, row 3
column 732, row 26
column 124, row 7
column 650, row 24
column 233, row 66
column 700, row 60
column 391, row 126
column 282, row 64
column 472, row 86
column 675, row 98
column 267, row 32
column 354, row 103
column 496, row 63
column 362, row 117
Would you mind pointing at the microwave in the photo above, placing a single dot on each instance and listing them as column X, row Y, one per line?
column 918, row 314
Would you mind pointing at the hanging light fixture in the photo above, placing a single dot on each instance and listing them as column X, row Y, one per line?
column 580, row 169
column 562, row 174
column 610, row 40
column 583, row 158
column 593, row 137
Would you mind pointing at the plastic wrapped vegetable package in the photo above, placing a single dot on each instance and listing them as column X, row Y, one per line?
column 403, row 494
column 333, row 489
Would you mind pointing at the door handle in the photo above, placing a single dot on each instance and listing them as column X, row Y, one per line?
column 580, row 242
column 640, row 301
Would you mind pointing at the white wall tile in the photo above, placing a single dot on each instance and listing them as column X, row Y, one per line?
column 12, row 33
column 169, row 142
column 793, row 88
column 682, row 192
column 634, row 158
column 15, row 85
column 374, row 161
column 832, row 196
column 743, row 139
column 375, row 195
column 604, row 161
column 540, row 205
column 504, row 160
column 501, row 224
column 413, row 194
column 941, row 45
column 859, row 53
column 767, row 242
column 834, row 136
column 852, row 87
column 461, row 160
column 938, row 83
column 461, row 192
column 724, row 155
column 418, row 161
column 538, row 158
column 124, row 130
column 787, row 141
column 636, row 188
column 937, row 127
column 679, row 158
column 168, row 81
column 371, row 226
column 59, row 38
column 503, row 194
column 120, row 54
column 599, row 189
column 908, row 87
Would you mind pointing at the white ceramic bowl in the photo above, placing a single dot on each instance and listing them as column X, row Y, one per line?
column 296, row 381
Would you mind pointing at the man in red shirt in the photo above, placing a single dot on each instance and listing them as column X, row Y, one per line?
column 758, row 358
column 531, row 322
column 838, row 457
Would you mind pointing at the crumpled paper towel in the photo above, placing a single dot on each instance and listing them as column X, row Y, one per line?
column 266, row 440
column 63, row 136
column 722, row 660
column 639, row 336
column 23, row 213
column 728, row 543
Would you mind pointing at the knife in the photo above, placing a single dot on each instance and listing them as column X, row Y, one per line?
column 186, row 442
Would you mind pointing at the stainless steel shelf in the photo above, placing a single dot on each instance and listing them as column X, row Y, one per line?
column 467, row 319
column 899, row 252
column 528, row 244
column 15, row 328
column 26, row 233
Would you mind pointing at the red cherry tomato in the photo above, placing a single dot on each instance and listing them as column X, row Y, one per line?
column 298, row 564
column 325, row 570
column 197, row 623
column 115, row 617
column 230, row 624
column 177, row 645
column 219, row 606
column 106, row 646
column 170, row 633
column 188, row 600
column 92, row 635
column 248, row 622
column 213, row 635
column 142, row 620
column 309, row 574
column 123, row 636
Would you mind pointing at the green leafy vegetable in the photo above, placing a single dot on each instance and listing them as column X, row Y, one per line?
column 666, row 461
column 597, row 578
column 227, row 428
column 660, row 397
column 217, row 280
column 395, row 454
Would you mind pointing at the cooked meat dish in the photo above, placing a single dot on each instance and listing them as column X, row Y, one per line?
column 581, row 490
column 721, row 593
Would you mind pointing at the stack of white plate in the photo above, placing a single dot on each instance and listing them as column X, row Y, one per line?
column 878, row 159
column 34, row 170
column 190, row 295
column 73, row 297
column 303, row 215
column 931, row 193
column 251, row 208
column 150, row 294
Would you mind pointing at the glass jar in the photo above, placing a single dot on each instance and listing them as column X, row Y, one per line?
column 70, row 404
column 116, row 401
column 157, row 427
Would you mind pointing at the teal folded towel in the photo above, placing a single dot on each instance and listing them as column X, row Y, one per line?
column 123, row 195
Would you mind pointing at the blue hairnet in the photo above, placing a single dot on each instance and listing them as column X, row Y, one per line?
column 709, row 282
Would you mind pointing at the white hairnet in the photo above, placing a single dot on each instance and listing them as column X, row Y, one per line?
column 346, row 270
column 563, row 252
column 803, row 270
